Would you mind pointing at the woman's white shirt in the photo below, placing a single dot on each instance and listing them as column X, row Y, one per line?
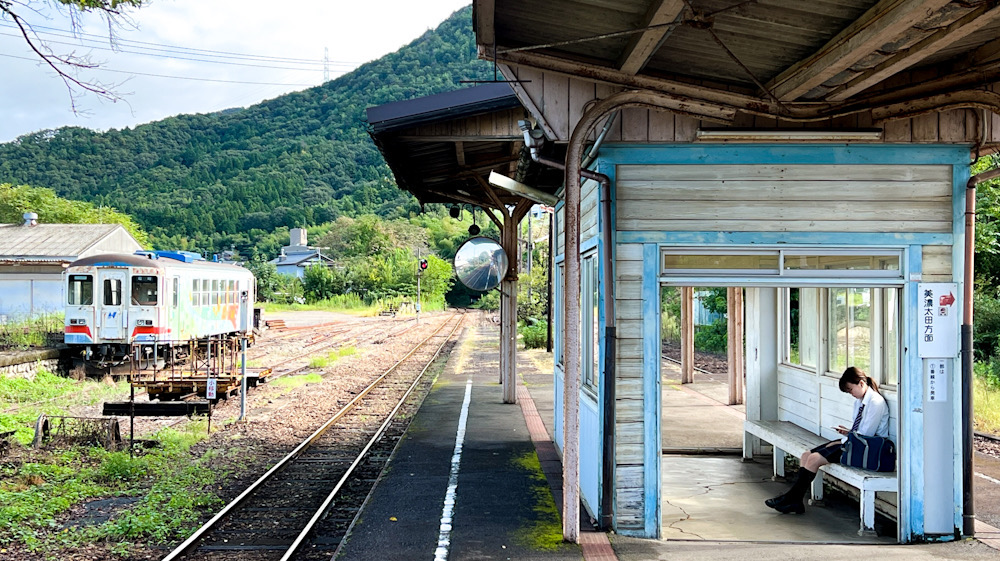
column 875, row 418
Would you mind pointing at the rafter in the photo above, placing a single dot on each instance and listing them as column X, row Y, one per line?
column 905, row 58
column 460, row 153
column 642, row 46
column 879, row 25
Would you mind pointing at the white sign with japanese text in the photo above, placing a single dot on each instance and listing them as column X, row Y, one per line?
column 938, row 320
column 210, row 388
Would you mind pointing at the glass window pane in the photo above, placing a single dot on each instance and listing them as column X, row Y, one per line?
column 144, row 290
column 112, row 292
column 176, row 291
column 803, row 323
column 689, row 261
column 841, row 262
column 838, row 322
column 595, row 323
column 81, row 290
column 860, row 339
column 890, row 351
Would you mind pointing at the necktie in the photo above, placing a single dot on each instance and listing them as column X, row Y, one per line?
column 857, row 420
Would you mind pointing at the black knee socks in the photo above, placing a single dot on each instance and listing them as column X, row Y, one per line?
column 803, row 478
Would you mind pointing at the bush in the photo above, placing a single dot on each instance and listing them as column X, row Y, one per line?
column 986, row 331
column 534, row 335
column 712, row 338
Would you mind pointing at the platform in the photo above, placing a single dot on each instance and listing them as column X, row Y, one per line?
column 504, row 507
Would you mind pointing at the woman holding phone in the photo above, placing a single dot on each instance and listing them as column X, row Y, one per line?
column 871, row 418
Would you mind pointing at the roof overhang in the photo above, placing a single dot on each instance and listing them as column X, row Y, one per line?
column 785, row 59
column 443, row 148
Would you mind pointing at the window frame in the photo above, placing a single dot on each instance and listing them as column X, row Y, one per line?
column 84, row 280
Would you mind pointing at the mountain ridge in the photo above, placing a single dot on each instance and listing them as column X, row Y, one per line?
column 214, row 180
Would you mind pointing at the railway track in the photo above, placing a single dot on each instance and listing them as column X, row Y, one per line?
column 303, row 506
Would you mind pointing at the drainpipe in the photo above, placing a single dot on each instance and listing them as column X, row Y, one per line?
column 533, row 140
column 968, row 502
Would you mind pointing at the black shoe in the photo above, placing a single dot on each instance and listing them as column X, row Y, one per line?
column 775, row 502
column 791, row 508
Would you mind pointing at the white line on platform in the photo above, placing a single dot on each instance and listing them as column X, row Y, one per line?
column 988, row 478
column 444, row 531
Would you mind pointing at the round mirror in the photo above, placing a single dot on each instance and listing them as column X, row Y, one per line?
column 480, row 264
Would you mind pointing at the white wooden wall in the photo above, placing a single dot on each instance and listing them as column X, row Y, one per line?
column 629, row 420
column 562, row 99
column 794, row 198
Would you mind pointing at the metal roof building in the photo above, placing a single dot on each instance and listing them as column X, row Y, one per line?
column 33, row 256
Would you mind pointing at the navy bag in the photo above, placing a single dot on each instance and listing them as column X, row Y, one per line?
column 875, row 453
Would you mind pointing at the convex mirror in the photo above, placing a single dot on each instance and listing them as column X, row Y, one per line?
column 480, row 263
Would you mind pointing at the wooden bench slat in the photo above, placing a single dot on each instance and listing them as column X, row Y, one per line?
column 786, row 437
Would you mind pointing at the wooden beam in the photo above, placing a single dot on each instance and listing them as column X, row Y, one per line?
column 687, row 334
column 734, row 348
column 905, row 58
column 881, row 24
column 484, row 10
column 642, row 45
column 460, row 153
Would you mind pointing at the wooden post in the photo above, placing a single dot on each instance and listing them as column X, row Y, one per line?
column 687, row 334
column 508, row 313
column 734, row 346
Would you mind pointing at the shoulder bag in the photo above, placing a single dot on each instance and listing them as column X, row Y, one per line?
column 875, row 453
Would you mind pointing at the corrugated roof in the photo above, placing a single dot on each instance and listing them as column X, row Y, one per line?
column 439, row 107
column 50, row 240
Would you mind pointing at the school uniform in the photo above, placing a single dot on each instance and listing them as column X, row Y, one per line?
column 874, row 421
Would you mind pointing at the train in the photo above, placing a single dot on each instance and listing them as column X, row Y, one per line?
column 160, row 301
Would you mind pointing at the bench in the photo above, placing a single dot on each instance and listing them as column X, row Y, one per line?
column 389, row 310
column 786, row 437
column 276, row 324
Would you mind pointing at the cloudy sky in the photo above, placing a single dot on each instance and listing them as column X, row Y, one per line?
column 197, row 56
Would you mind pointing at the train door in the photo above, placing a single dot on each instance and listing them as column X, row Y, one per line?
column 113, row 320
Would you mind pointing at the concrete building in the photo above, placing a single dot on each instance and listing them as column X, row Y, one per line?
column 33, row 256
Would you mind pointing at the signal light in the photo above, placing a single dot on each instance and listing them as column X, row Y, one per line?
column 423, row 264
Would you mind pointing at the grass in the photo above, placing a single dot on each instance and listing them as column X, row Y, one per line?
column 986, row 402
column 30, row 332
column 23, row 400
column 351, row 304
column 290, row 382
column 170, row 488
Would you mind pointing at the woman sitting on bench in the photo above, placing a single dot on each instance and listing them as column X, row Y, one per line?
column 871, row 418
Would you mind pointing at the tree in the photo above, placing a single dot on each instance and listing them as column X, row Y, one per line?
column 112, row 11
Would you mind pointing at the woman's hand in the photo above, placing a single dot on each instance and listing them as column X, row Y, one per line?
column 841, row 429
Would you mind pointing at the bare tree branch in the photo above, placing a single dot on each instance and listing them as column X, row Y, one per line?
column 66, row 65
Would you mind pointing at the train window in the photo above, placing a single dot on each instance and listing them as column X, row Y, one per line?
column 215, row 292
column 81, row 290
column 232, row 293
column 176, row 293
column 206, row 289
column 195, row 289
column 112, row 292
column 145, row 291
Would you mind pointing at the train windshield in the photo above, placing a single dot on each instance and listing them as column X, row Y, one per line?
column 144, row 290
column 81, row 290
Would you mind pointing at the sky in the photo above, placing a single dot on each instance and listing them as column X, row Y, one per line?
column 195, row 56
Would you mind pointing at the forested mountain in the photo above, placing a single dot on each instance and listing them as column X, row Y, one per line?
column 209, row 181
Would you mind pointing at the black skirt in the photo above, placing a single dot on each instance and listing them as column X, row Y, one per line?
column 831, row 451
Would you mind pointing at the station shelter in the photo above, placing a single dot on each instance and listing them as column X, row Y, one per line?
column 812, row 156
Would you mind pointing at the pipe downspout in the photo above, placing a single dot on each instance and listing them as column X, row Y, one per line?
column 608, row 380
column 968, row 436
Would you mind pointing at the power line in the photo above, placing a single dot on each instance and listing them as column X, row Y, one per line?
column 103, row 69
column 173, row 48
column 174, row 57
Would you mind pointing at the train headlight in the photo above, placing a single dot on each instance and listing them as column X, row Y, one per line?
column 144, row 322
column 80, row 321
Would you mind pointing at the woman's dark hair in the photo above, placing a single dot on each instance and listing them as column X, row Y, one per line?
column 854, row 375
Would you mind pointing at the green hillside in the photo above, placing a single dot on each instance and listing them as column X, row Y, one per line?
column 210, row 181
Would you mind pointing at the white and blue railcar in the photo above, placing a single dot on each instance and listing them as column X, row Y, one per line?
column 161, row 298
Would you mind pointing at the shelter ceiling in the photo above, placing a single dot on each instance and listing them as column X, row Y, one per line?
column 825, row 54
